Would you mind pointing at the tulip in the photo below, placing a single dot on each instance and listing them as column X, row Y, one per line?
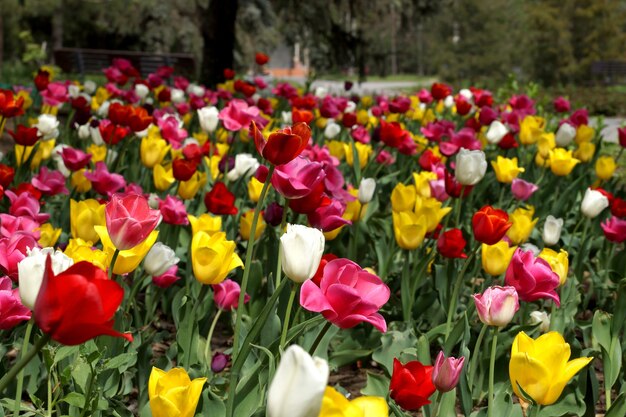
column 411, row 384
column 593, row 203
column 245, row 225
column 152, row 150
column 532, row 277
column 446, row 372
column 542, row 319
column 335, row 404
column 522, row 190
column 541, row 367
column 103, row 181
column 159, row 259
column 298, row 178
column 301, row 251
column 166, row 279
column 403, row 197
column 25, row 136
column 605, row 167
column 506, row 169
column 12, row 312
column 48, row 235
column 173, row 211
column 531, row 129
column 408, row 229
column 298, row 386
column 281, row 146
column 173, row 393
column 187, row 190
column 47, row 125
column 127, row 260
column 183, row 169
column 254, row 189
column 490, row 225
column 363, row 151
column 31, row 270
column 423, row 182
column 565, row 135
column 328, row 215
column 219, row 362
column 245, row 164
column 585, row 151
column 614, row 229
column 130, row 220
column 523, row 224
column 213, row 257
column 366, row 190
column 163, row 177
column 561, row 105
column 84, row 215
column 65, row 307
column 451, row 244
column 559, row 262
column 344, row 282
column 205, row 222
column 79, row 251
column 584, row 134
column 220, row 200
column 431, row 211
column 562, row 162
column 208, row 118
column 496, row 258
column 552, row 230
column 496, row 132
column 12, row 250
column 226, row 295
column 470, row 166
column 497, row 305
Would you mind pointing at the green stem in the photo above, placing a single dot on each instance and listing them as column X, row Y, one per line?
column 19, row 365
column 355, row 235
column 475, row 355
column 137, row 284
column 534, row 410
column 246, row 271
column 208, row 353
column 283, row 337
column 436, row 405
column 458, row 207
column 581, row 250
column 571, row 238
column 457, row 289
column 319, row 337
column 20, row 376
column 492, row 368
column 113, row 260
column 283, row 223
column 192, row 319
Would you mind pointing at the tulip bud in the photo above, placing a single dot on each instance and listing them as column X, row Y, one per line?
column 31, row 268
column 537, row 317
column 226, row 295
column 301, row 251
column 159, row 259
column 298, row 386
column 565, row 135
column 142, row 91
column 366, row 190
column 593, row 203
column 497, row 305
column 446, row 372
column 497, row 130
column 130, row 220
column 208, row 117
column 552, row 230
column 332, row 130
column 470, row 166
column 219, row 362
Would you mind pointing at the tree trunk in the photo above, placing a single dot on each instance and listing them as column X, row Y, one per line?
column 218, row 33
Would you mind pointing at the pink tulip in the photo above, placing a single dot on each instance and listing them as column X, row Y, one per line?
column 166, row 279
column 532, row 277
column 172, row 131
column 226, row 295
column 614, row 229
column 13, row 249
column 347, row 295
column 237, row 115
column 75, row 159
column 10, row 225
column 360, row 134
column 328, row 215
column 55, row 94
column 497, row 305
column 385, row 158
column 561, row 105
column 438, row 189
column 26, row 205
column 130, row 220
column 297, row 178
column 12, row 312
column 425, row 96
column 103, row 181
column 49, row 182
column 173, row 211
column 446, row 372
column 522, row 190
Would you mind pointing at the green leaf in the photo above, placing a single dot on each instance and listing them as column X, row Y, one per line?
column 64, row 352
column 392, row 344
column 377, row 385
column 619, row 312
column 121, row 362
column 601, row 329
column 618, row 408
column 75, row 399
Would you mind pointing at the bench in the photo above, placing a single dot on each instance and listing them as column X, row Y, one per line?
column 91, row 61
column 609, row 72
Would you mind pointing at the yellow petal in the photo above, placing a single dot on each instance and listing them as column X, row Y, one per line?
column 155, row 375
column 372, row 406
column 531, row 375
column 163, row 407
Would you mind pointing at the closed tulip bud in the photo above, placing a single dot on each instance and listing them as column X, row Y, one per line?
column 542, row 319
column 298, row 386
column 446, row 372
column 301, row 251
column 208, row 117
column 332, row 130
column 31, row 269
column 173, row 393
column 129, row 220
column 490, row 225
column 605, row 167
column 614, row 229
column 565, row 135
column 497, row 130
column 523, row 225
column 497, row 305
column 245, row 225
column 523, row 190
column 409, row 229
column 470, row 166
column 366, row 190
column 552, row 230
column 496, row 258
column 585, row 151
column 84, row 215
column 403, row 197
column 159, row 259
column 213, row 257
column 411, row 384
column 593, row 203
column 506, row 169
column 142, row 91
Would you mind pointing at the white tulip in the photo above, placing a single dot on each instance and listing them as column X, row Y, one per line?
column 298, row 386
column 366, row 190
column 89, row 86
column 208, row 117
column 159, row 259
column 552, row 230
column 448, row 101
column 565, row 135
column 332, row 130
column 153, row 201
column 58, row 160
column 542, row 317
column 497, row 130
column 245, row 164
column 103, row 110
column 83, row 131
column 301, row 251
column 142, row 91
column 177, row 95
column 73, row 91
column 31, row 270
column 96, row 136
column 196, row 90
column 529, row 247
column 470, row 166
column 467, row 94
column 48, row 126
column 321, row 92
column 350, row 107
column 287, row 118
column 593, row 203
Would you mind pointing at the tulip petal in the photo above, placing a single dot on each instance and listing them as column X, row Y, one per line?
column 561, row 379
column 534, row 378
column 163, row 407
column 372, row 406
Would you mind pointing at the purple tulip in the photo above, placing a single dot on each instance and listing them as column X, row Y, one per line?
column 446, row 372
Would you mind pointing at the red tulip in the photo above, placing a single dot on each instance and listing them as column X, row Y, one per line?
column 618, row 206
column 490, row 225
column 25, row 136
column 42, row 79
column 463, row 106
column 281, row 146
column 621, row 135
column 304, row 116
column 183, row 169
column 130, row 220
column 219, row 200
column 440, row 91
column 6, row 175
column 229, row 74
column 411, row 384
column 392, row 134
column 78, row 304
column 9, row 107
column 261, row 58
column 453, row 187
column 451, row 244
column 139, row 119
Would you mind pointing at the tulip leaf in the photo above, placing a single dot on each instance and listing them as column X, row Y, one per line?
column 619, row 312
column 270, row 359
column 618, row 408
column 570, row 403
column 377, row 385
column 392, row 345
column 74, row 398
column 121, row 362
column 601, row 329
column 64, row 352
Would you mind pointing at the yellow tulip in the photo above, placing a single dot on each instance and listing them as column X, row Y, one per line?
column 245, row 225
column 523, row 224
column 605, row 167
column 422, row 182
column 542, row 367
column 127, row 260
column 403, row 197
column 496, row 258
column 28, row 101
column 213, row 257
column 409, row 229
column 48, row 235
column 542, row 162
column 355, row 211
column 80, row 250
column 205, row 223
column 363, row 150
column 562, row 162
column 559, row 262
column 188, row 189
column 163, row 177
column 531, row 129
column 362, row 117
column 506, row 169
column 367, row 101
column 336, row 149
column 584, row 133
column 336, row 405
column 173, row 393
column 84, row 215
column 102, row 94
column 153, row 150
column 79, row 182
column 42, row 149
column 431, row 211
column 545, row 144
column 98, row 153
column 332, row 235
column 254, row 189
column 320, row 122
column 585, row 151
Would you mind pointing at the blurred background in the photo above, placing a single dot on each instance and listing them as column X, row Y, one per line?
column 571, row 47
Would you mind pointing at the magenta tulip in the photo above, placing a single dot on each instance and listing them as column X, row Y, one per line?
column 446, row 372
column 614, row 229
column 522, row 190
column 297, row 178
column 226, row 295
column 532, row 277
